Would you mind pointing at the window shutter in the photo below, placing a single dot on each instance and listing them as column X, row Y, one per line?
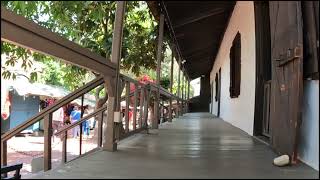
column 231, row 71
column 237, row 71
column 235, row 67
column 216, row 81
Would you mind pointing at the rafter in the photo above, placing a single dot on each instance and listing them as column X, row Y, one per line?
column 199, row 17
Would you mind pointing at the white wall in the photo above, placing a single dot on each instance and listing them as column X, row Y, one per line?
column 308, row 150
column 238, row 111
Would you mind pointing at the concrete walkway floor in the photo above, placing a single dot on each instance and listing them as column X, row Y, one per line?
column 194, row 146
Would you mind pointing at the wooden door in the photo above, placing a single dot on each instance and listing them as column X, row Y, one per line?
column 287, row 76
column 219, row 91
column 266, row 109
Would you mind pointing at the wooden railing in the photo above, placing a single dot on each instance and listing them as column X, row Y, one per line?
column 142, row 90
column 18, row 30
column 46, row 115
column 64, row 131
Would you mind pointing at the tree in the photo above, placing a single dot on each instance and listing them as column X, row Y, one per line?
column 89, row 24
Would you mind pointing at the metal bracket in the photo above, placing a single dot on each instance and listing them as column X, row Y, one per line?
column 297, row 53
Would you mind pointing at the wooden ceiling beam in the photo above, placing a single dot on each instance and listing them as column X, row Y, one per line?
column 198, row 17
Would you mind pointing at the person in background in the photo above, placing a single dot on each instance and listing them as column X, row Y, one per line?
column 85, row 124
column 74, row 117
column 57, row 120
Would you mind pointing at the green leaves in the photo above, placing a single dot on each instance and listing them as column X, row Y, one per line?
column 90, row 24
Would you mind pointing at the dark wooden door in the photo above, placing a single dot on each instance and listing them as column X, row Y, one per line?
column 287, row 76
column 219, row 91
column 266, row 109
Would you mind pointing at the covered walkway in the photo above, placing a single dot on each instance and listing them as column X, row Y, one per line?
column 196, row 145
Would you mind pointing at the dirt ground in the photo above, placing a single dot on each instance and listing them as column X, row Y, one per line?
column 28, row 148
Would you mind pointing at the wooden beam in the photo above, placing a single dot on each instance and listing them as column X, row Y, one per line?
column 18, row 30
column 198, row 17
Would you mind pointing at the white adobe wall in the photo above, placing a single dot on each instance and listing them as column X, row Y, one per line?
column 238, row 111
column 308, row 150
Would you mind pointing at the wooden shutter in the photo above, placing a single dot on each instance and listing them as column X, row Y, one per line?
column 235, row 67
column 287, row 76
column 310, row 11
column 216, row 81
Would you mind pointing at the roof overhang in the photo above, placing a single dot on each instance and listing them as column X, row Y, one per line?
column 196, row 29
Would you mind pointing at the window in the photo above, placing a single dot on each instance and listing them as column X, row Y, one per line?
column 235, row 67
column 216, row 82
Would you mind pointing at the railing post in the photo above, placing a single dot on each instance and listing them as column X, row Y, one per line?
column 64, row 147
column 4, row 153
column 156, row 112
column 47, row 123
column 81, row 125
column 135, row 107
column 100, row 122
column 146, row 105
column 141, row 105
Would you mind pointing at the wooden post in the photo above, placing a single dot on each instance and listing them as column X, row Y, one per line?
column 81, row 125
column 156, row 114
column 4, row 156
column 141, row 106
column 188, row 97
column 64, row 147
column 178, row 100
column 116, row 46
column 112, row 84
column 127, row 107
column 134, row 121
column 109, row 143
column 47, row 123
column 184, row 94
column 181, row 90
column 3, row 153
column 100, row 122
column 146, row 105
column 171, row 86
column 159, row 58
